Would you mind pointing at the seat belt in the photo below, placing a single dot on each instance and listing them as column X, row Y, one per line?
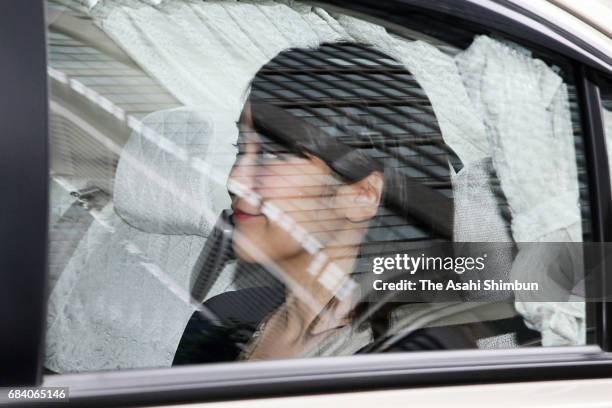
column 217, row 252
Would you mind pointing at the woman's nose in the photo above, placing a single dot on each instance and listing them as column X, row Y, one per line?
column 243, row 176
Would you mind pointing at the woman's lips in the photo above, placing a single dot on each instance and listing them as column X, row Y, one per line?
column 244, row 216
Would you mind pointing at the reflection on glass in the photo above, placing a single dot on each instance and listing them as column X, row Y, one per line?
column 313, row 194
column 218, row 201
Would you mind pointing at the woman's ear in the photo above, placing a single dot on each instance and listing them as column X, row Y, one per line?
column 360, row 200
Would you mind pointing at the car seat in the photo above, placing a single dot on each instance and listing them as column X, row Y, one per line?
column 122, row 301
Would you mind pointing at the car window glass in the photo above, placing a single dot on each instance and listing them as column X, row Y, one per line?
column 235, row 181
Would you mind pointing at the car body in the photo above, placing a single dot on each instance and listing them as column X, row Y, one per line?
column 569, row 376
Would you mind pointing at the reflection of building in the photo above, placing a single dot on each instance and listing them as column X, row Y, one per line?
column 371, row 103
column 98, row 94
column 94, row 84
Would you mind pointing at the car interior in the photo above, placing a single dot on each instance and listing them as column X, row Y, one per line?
column 143, row 102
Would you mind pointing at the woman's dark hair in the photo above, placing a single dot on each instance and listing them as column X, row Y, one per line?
column 360, row 111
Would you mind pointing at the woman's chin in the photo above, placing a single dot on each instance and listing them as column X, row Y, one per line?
column 249, row 255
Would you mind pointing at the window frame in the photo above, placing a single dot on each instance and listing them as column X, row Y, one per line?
column 593, row 97
column 27, row 30
column 600, row 193
column 24, row 175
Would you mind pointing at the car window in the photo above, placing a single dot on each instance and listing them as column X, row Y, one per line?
column 236, row 181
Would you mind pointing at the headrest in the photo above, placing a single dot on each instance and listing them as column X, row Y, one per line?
column 227, row 42
column 230, row 66
column 172, row 172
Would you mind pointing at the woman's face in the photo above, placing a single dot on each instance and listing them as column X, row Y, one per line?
column 282, row 202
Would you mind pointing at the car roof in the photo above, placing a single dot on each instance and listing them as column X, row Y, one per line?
column 587, row 20
column 597, row 13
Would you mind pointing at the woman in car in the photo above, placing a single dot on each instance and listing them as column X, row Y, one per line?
column 323, row 181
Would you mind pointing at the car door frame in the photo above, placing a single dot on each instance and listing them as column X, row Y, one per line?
column 23, row 261
column 24, row 178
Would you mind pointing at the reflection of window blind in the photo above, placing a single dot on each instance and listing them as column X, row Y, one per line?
column 400, row 112
column 74, row 153
column 79, row 157
column 403, row 111
column 368, row 102
column 62, row 160
column 131, row 89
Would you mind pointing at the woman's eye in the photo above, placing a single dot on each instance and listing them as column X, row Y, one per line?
column 271, row 151
column 269, row 156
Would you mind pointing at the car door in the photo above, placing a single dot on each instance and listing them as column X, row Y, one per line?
column 82, row 85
